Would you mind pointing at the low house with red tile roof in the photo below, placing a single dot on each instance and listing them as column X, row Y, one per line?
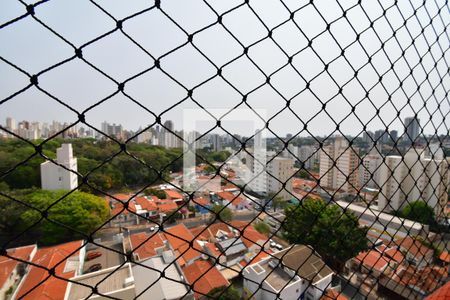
column 333, row 294
column 148, row 207
column 179, row 238
column 253, row 259
column 174, row 195
column 203, row 277
column 237, row 201
column 254, row 240
column 144, row 245
column 201, row 204
column 411, row 282
column 166, row 206
column 441, row 293
column 416, row 252
column 37, row 284
column 371, row 261
column 11, row 270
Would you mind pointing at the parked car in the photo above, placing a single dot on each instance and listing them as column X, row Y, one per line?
column 94, row 267
column 93, row 254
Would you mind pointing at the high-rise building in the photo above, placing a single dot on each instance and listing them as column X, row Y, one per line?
column 280, row 170
column 339, row 164
column 369, row 170
column 11, row 124
column 368, row 137
column 412, row 177
column 381, row 136
column 55, row 177
column 394, row 135
column 412, row 129
column 308, row 155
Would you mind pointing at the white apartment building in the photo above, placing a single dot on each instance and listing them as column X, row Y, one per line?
column 308, row 155
column 281, row 169
column 414, row 177
column 346, row 160
column 294, row 273
column 369, row 170
column 54, row 177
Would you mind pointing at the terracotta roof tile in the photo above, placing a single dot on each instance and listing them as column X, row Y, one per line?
column 204, row 277
column 146, row 204
column 145, row 245
column 50, row 257
column 372, row 260
column 443, row 293
column 251, row 236
column 179, row 238
column 173, row 194
column 7, row 265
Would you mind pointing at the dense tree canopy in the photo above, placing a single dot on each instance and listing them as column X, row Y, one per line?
column 80, row 211
column 224, row 293
column 119, row 173
column 334, row 234
column 418, row 211
column 262, row 227
column 225, row 214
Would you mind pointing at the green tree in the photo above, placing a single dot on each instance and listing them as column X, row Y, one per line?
column 334, row 234
column 418, row 211
column 224, row 293
column 225, row 214
column 262, row 227
column 278, row 202
column 79, row 211
column 302, row 173
column 154, row 192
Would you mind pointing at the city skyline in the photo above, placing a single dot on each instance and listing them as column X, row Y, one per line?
column 411, row 129
column 351, row 79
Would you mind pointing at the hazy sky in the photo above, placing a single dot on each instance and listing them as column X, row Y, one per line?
column 33, row 48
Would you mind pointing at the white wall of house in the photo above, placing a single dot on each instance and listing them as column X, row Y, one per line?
column 54, row 177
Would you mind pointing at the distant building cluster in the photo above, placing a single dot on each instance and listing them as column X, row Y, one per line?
column 400, row 175
column 165, row 135
column 37, row 130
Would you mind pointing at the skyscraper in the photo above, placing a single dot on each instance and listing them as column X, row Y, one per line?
column 339, row 165
column 412, row 129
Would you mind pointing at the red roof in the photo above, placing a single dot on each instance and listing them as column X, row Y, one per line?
column 179, row 238
column 298, row 183
column 204, row 277
column 426, row 279
column 251, row 237
column 235, row 200
column 445, row 257
column 146, row 204
column 201, row 201
column 200, row 232
column 332, row 294
column 413, row 246
column 119, row 208
column 38, row 280
column 145, row 245
column 395, row 254
column 7, row 265
column 166, row 206
column 212, row 249
column 260, row 256
column 372, row 260
column 443, row 293
column 121, row 197
column 173, row 194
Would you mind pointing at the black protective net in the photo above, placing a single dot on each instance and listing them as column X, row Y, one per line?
column 344, row 212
